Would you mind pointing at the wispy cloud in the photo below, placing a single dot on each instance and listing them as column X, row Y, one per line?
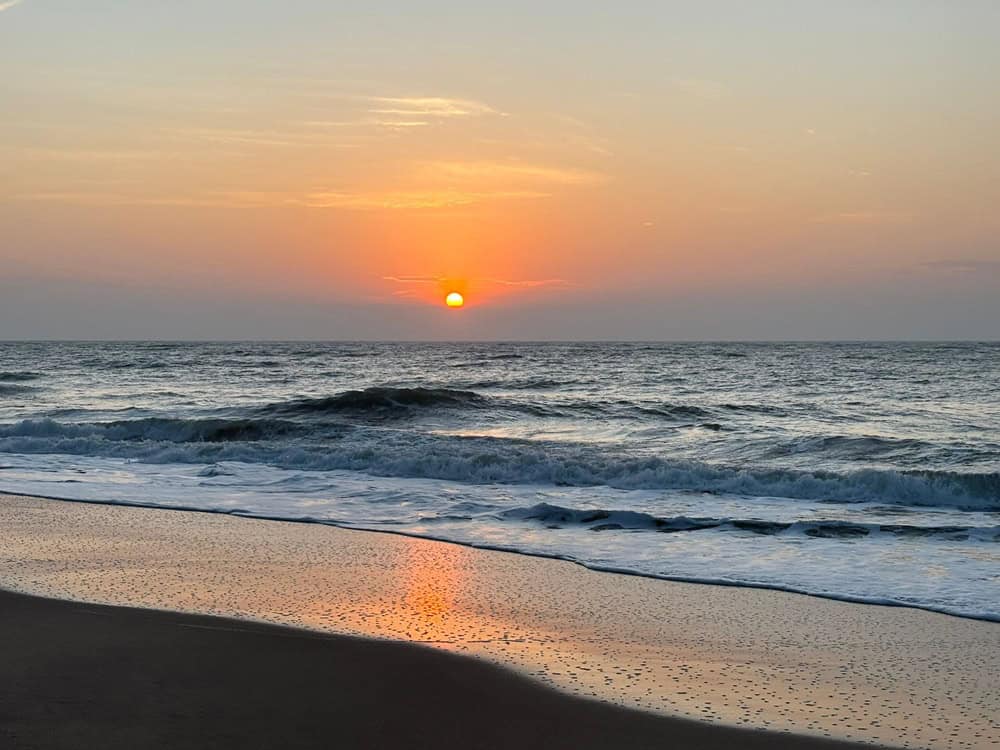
column 88, row 155
column 95, row 198
column 522, row 283
column 8, row 5
column 414, row 279
column 479, row 170
column 530, row 283
column 402, row 113
column 357, row 201
column 963, row 266
column 287, row 138
column 332, row 123
column 429, row 106
column 414, row 199
column 399, row 125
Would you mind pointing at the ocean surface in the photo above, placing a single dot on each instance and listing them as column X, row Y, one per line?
column 865, row 472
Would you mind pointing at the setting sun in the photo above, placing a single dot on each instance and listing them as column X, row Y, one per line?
column 454, row 299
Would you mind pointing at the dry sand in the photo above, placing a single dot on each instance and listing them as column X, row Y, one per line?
column 736, row 656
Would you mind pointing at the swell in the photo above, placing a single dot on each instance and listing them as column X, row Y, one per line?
column 287, row 443
column 523, row 384
column 384, row 402
column 144, row 431
column 377, row 400
column 15, row 389
column 858, row 447
column 18, row 376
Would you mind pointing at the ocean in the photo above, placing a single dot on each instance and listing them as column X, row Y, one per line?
column 866, row 472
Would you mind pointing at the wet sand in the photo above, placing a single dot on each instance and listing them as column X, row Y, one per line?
column 86, row 676
column 731, row 656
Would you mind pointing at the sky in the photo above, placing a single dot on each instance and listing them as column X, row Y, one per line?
column 313, row 169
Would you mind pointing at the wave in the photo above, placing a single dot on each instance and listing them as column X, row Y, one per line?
column 18, row 377
column 768, row 410
column 555, row 516
column 523, row 384
column 380, row 402
column 148, row 430
column 377, row 400
column 674, row 411
column 852, row 446
column 15, row 389
column 287, row 442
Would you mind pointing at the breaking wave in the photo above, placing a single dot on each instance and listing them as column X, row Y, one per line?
column 289, row 443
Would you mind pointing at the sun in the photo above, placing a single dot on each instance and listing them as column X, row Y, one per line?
column 454, row 299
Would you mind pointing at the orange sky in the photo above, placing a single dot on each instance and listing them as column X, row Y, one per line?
column 530, row 157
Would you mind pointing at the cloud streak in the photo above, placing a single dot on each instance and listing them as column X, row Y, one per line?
column 963, row 266
column 531, row 283
column 230, row 136
column 478, row 170
column 414, row 200
column 520, row 283
column 413, row 279
column 8, row 5
column 402, row 113
column 429, row 106
column 358, row 201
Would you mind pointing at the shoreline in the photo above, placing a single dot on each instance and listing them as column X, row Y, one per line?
column 846, row 598
column 728, row 655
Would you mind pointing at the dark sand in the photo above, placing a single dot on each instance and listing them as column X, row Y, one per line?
column 85, row 676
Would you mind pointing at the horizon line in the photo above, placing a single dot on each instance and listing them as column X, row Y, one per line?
column 493, row 341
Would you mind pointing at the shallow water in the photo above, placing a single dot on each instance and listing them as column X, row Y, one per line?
column 868, row 472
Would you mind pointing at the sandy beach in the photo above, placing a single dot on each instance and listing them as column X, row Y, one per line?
column 79, row 675
column 723, row 655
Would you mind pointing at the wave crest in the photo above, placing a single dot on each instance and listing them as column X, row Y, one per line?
column 289, row 442
column 377, row 399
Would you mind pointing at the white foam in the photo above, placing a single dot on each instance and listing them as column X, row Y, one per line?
column 946, row 571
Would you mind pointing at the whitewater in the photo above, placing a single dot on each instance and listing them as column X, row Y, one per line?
column 865, row 472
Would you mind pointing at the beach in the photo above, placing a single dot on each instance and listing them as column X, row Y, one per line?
column 553, row 642
column 88, row 676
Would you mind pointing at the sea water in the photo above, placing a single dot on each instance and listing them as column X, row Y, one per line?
column 860, row 471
